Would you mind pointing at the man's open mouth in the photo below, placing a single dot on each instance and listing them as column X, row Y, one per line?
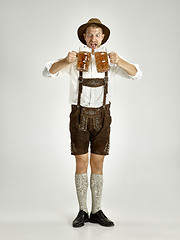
column 93, row 45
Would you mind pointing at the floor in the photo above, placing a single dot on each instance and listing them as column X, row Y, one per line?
column 63, row 230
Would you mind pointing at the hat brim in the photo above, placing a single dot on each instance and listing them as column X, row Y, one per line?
column 82, row 29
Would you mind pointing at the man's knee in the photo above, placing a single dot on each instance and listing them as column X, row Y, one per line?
column 81, row 163
column 96, row 162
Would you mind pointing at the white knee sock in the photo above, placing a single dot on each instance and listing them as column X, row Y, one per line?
column 96, row 185
column 81, row 182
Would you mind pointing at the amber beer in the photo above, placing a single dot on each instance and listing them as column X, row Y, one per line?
column 83, row 61
column 101, row 58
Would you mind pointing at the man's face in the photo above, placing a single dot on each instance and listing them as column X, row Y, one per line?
column 93, row 37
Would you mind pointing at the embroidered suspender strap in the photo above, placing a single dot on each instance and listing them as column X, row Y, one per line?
column 93, row 82
column 105, row 88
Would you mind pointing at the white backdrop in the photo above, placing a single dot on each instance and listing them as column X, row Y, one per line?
column 141, row 174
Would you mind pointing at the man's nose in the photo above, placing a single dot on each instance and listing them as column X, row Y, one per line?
column 93, row 37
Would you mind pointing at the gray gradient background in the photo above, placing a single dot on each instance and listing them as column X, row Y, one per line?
column 141, row 175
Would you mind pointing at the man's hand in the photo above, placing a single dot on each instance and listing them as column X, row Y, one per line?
column 57, row 66
column 71, row 57
column 128, row 67
column 114, row 58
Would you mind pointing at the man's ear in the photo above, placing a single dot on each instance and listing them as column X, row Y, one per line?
column 103, row 35
column 84, row 35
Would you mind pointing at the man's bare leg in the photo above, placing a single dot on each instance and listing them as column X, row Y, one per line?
column 96, row 162
column 81, row 163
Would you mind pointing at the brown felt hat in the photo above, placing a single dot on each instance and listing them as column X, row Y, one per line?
column 82, row 29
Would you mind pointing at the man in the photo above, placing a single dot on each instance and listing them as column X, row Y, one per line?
column 90, row 117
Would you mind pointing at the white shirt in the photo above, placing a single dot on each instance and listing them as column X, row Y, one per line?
column 91, row 96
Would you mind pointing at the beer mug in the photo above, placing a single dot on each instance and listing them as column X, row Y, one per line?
column 101, row 59
column 84, row 57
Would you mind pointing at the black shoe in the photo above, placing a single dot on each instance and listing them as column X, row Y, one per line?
column 80, row 219
column 100, row 218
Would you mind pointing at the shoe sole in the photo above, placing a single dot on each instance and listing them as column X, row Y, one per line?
column 94, row 221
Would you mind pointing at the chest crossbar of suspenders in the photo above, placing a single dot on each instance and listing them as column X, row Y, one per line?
column 93, row 82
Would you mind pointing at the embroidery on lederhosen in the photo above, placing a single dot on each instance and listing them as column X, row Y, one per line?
column 83, row 123
column 106, row 149
column 97, row 123
column 73, row 148
column 92, row 116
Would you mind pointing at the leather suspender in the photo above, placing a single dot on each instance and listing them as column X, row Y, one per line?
column 92, row 82
column 105, row 88
column 80, row 88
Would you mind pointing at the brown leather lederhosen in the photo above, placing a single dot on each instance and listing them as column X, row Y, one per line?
column 90, row 124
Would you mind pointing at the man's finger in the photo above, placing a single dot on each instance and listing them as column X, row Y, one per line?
column 75, row 52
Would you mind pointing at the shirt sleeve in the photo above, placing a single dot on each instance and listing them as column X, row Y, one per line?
column 48, row 65
column 121, row 72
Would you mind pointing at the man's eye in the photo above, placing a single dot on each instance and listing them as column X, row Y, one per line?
column 89, row 35
column 97, row 35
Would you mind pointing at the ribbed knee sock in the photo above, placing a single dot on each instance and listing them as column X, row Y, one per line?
column 96, row 185
column 81, row 182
